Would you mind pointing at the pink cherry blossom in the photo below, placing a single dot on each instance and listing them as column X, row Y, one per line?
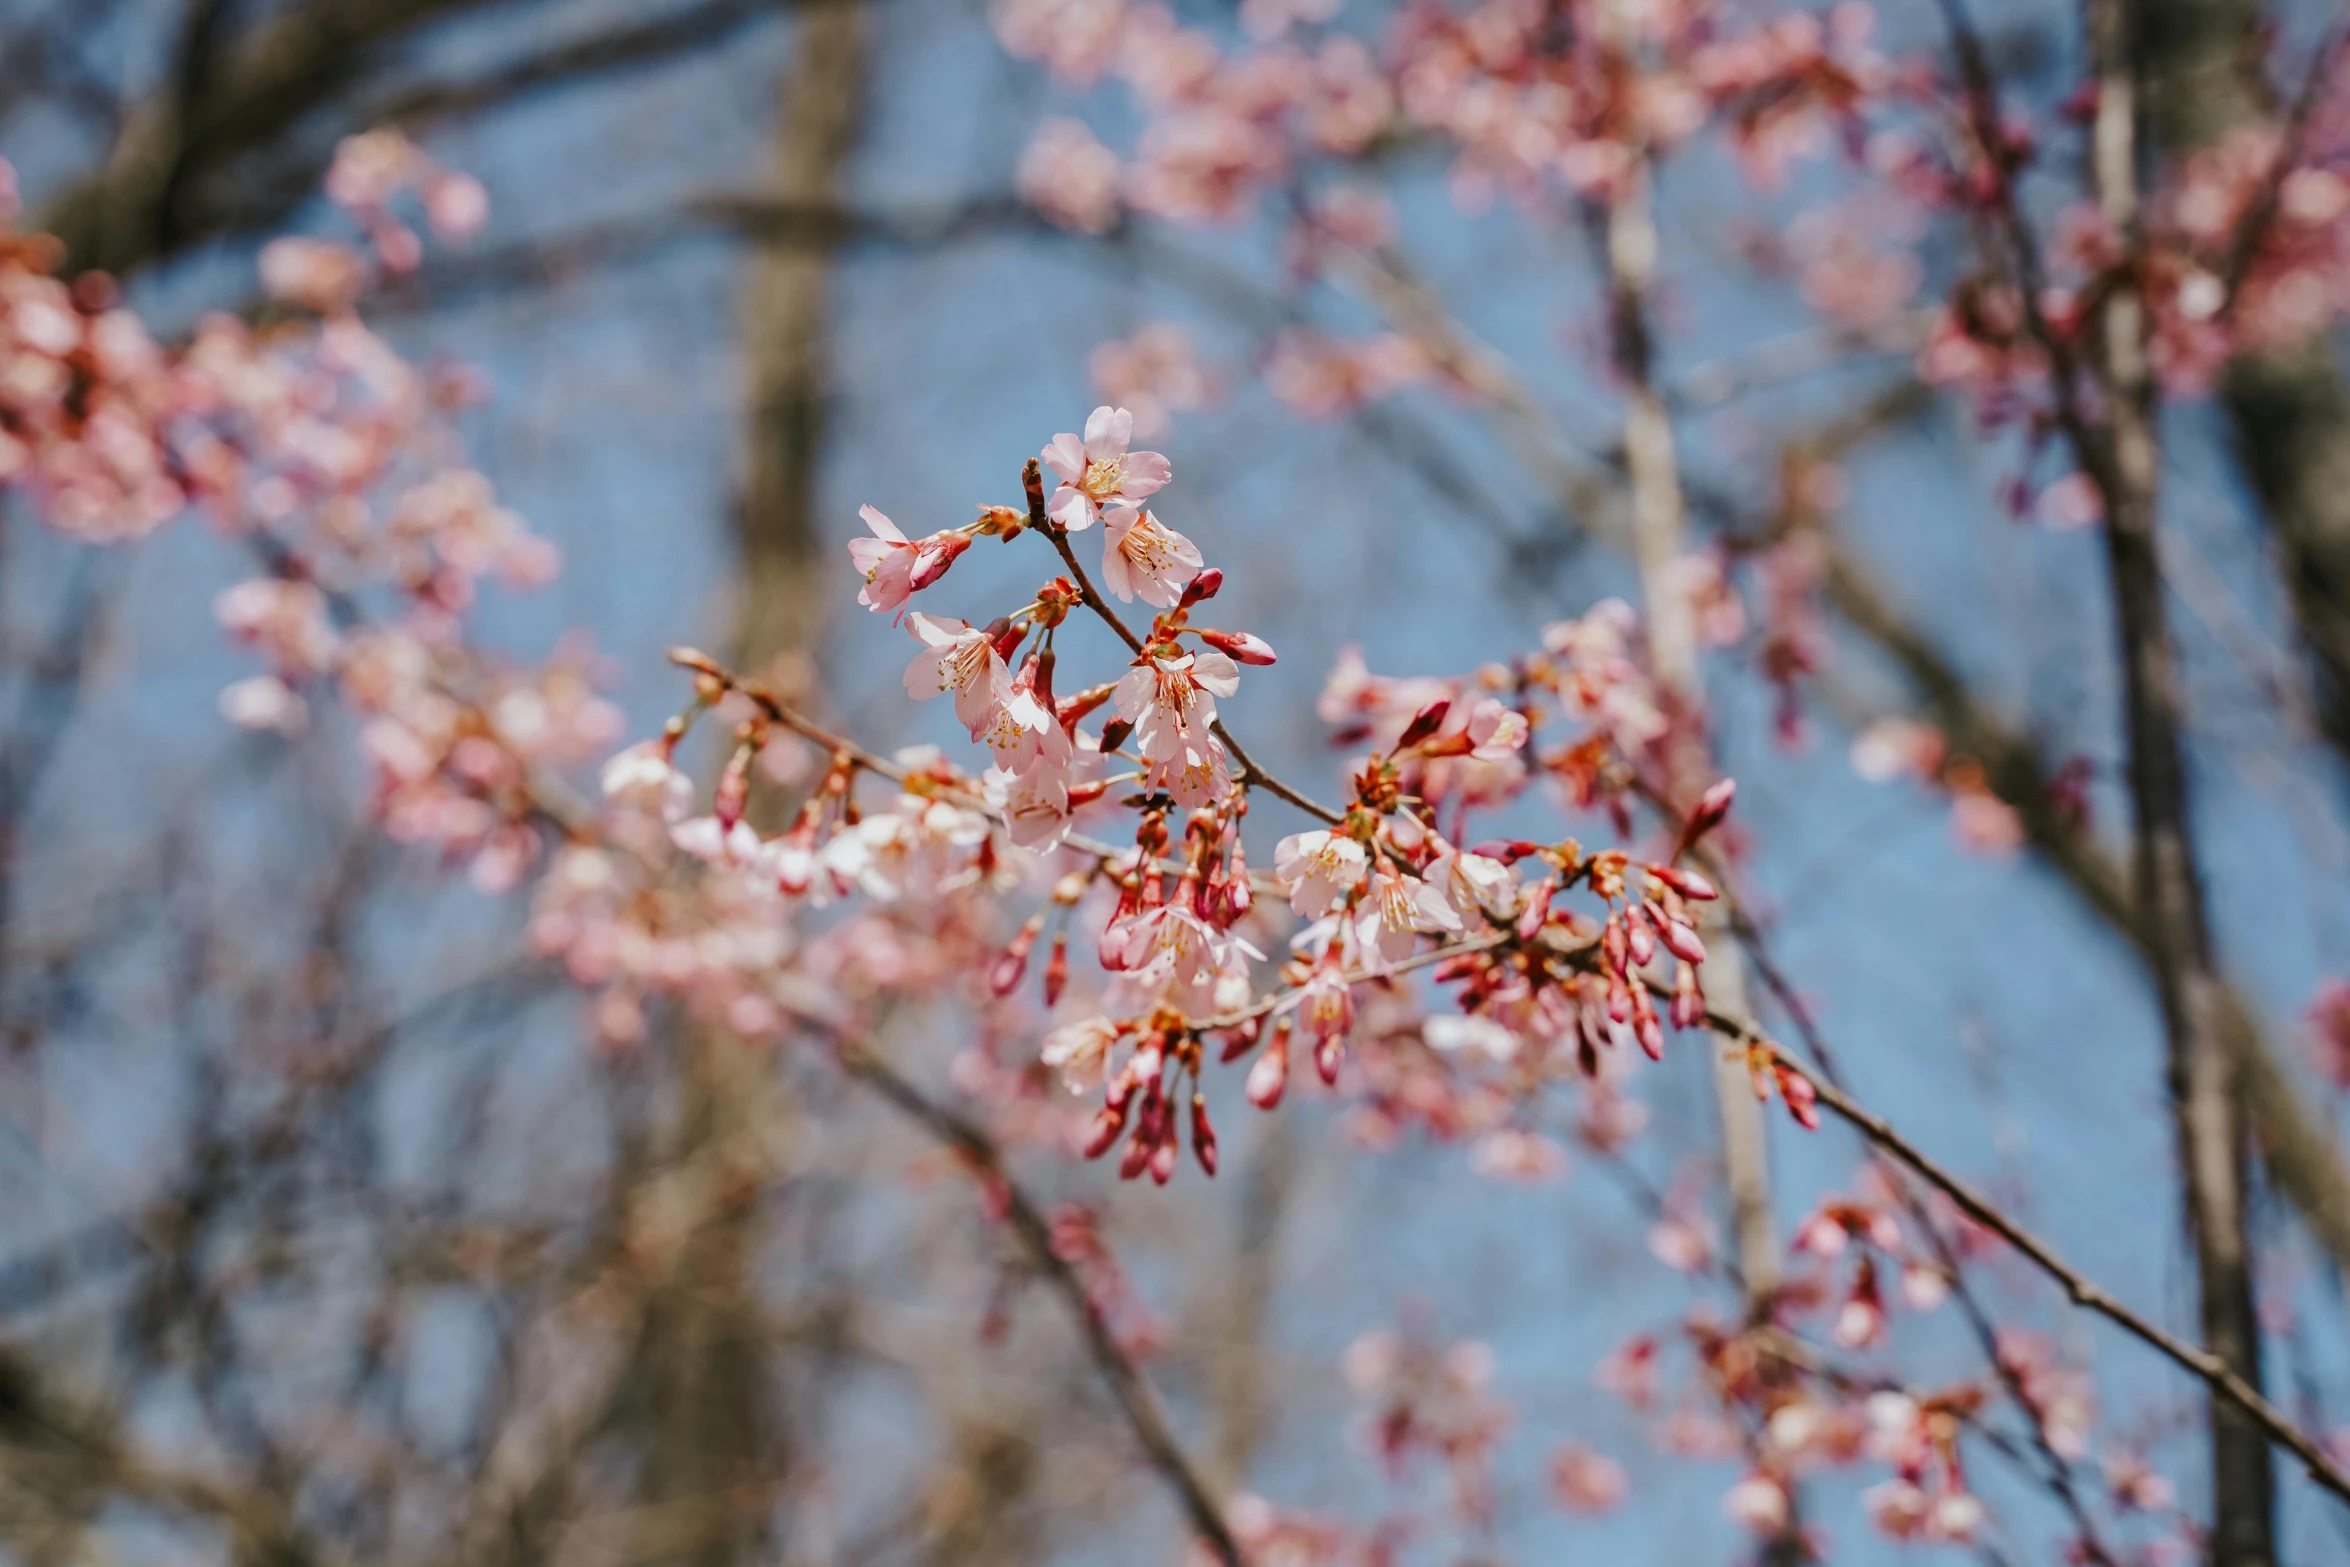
column 1398, row 911
column 1319, row 869
column 1170, row 699
column 1141, row 554
column 1098, row 471
column 886, row 561
column 957, row 657
column 1026, row 737
column 1070, row 177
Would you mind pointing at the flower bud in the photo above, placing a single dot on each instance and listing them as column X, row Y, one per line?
column 934, row 555
column 1802, row 1098
column 1056, row 969
column 1203, row 1135
column 1108, row 1122
column 1114, row 734
column 1203, row 587
column 1270, row 1076
column 1645, row 1027
column 1537, row 909
column 1639, row 942
column 1004, row 976
column 1687, row 883
column 1681, row 941
column 1424, row 723
column 1245, row 647
column 734, row 788
column 1239, row 1040
column 1326, row 1051
column 1712, row 807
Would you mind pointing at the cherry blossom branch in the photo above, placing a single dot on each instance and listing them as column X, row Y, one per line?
column 2078, row 1287
column 1032, row 479
column 1132, row 1390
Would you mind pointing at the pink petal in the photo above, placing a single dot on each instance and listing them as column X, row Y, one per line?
column 1107, row 432
column 1066, row 457
column 882, row 527
column 1145, row 473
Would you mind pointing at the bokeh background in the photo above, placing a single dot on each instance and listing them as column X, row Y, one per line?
column 307, row 1166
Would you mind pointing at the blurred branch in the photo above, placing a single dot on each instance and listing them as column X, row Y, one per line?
column 263, row 81
column 1132, row 1390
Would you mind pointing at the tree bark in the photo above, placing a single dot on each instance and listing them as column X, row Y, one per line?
column 708, row 1383
column 2287, row 408
column 2124, row 459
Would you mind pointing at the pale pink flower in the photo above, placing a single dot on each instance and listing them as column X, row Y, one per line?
column 1166, row 946
column 886, row 561
column 1035, row 804
column 1495, row 730
column 1154, row 373
column 1197, row 776
column 1450, row 1032
column 1399, row 910
column 1080, row 1051
column 1508, row 1154
column 1141, row 554
column 1026, row 737
column 456, row 205
column 317, row 274
column 1474, row 884
column 1587, row 1482
column 264, row 702
column 705, row 839
column 1171, row 701
column 1318, row 869
column 1894, row 748
column 1070, row 177
column 1898, row 1508
column 957, row 657
column 1759, row 1502
column 643, row 779
column 1985, row 824
column 1099, row 472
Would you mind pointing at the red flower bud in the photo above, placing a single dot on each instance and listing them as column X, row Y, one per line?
column 1056, row 969
column 1687, row 883
column 1681, row 940
column 1424, row 723
column 1240, row 1040
column 1326, row 1051
column 1270, row 1076
column 1203, row 587
column 1203, row 1136
column 1243, row 646
column 1645, row 1027
column 934, row 555
column 1107, row 1124
column 1638, row 939
column 1537, row 909
column 1004, row 976
column 734, row 788
column 1803, row 1100
column 1712, row 807
column 1114, row 734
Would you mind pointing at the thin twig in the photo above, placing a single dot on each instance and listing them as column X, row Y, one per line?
column 1132, row 1390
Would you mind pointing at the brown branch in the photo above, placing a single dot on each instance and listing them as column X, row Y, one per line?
column 2122, row 458
column 2078, row 1287
column 1128, row 1386
column 1250, row 772
column 264, row 81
